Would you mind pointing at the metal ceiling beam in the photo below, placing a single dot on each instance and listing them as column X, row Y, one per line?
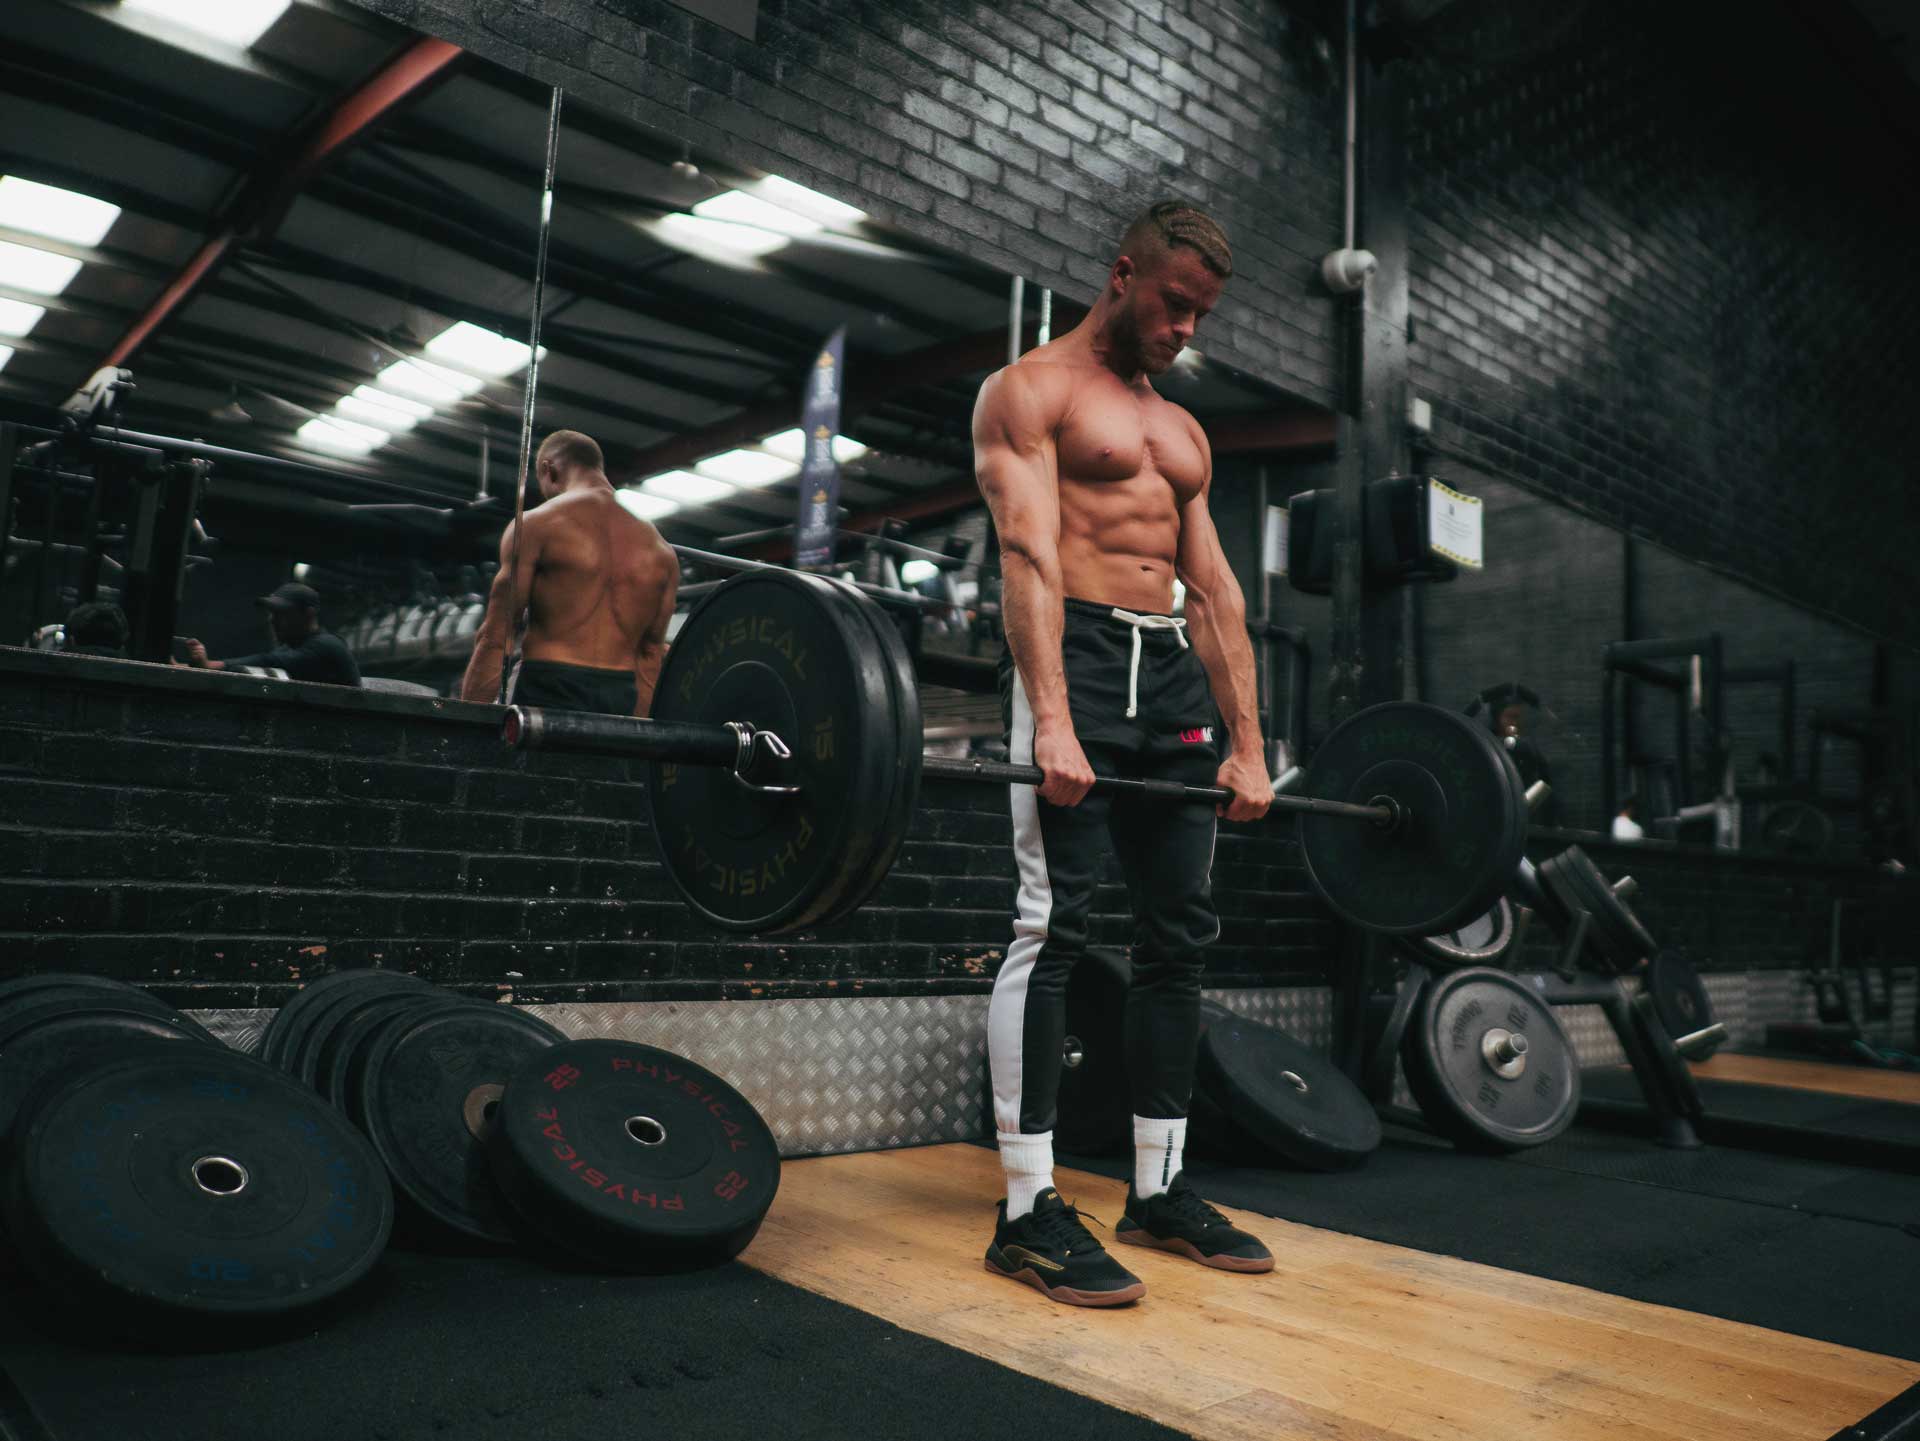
column 873, row 380
column 267, row 193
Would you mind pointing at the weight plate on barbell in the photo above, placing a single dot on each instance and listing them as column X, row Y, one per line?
column 1459, row 843
column 632, row 1157
column 1480, row 942
column 188, row 1184
column 1680, row 997
column 1577, row 883
column 776, row 650
column 1489, row 1064
column 1287, row 1096
column 904, row 687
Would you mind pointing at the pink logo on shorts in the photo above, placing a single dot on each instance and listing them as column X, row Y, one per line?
column 1197, row 736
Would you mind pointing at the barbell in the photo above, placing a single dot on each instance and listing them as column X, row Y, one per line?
column 785, row 761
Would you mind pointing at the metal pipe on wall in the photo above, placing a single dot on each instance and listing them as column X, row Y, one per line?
column 1016, row 312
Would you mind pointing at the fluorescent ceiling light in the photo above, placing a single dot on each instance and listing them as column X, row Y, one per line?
column 646, row 507
column 686, row 487
column 749, row 468
column 740, row 208
column 389, row 401
column 802, row 201
column 17, row 317
column 434, row 384
column 324, row 432
column 915, row 571
column 792, row 445
column 6, row 354
column 238, row 22
column 700, row 236
column 373, row 413
column 480, row 351
column 58, row 214
column 40, row 271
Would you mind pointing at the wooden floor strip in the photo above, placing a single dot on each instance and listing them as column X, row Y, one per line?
column 1347, row 1338
column 1869, row 1083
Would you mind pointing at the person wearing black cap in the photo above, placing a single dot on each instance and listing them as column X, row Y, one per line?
column 305, row 651
column 97, row 628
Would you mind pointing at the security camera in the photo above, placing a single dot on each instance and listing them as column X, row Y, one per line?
column 1346, row 271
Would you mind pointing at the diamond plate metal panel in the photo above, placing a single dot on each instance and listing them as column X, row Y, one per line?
column 874, row 1072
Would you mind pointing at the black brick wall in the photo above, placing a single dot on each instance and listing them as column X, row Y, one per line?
column 1654, row 276
column 1025, row 135
column 189, row 832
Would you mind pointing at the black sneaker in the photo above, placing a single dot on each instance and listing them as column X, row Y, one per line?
column 1052, row 1252
column 1177, row 1220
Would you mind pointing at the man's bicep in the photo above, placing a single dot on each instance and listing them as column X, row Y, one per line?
column 1016, row 462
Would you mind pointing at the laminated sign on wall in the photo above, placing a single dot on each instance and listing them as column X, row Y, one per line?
column 1453, row 525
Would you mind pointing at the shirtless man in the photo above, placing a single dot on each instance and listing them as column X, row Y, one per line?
column 1099, row 490
column 598, row 584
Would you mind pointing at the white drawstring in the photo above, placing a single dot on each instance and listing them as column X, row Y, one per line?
column 1139, row 623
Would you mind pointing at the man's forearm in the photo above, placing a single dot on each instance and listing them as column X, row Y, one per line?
column 482, row 680
column 1219, row 636
column 1032, row 608
column 646, row 678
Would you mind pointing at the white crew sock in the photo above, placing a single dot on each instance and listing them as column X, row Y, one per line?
column 1157, row 1144
column 1028, row 1162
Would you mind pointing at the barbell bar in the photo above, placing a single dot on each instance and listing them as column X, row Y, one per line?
column 784, row 762
column 745, row 751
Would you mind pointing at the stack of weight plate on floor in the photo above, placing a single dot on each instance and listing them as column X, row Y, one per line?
column 1260, row 1097
column 164, row 1188
column 496, row 1129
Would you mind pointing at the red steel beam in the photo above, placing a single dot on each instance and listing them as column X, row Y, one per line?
column 267, row 193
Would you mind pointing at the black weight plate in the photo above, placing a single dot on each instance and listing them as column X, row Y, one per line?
column 1094, row 1116
column 1460, row 844
column 632, row 1157
column 1466, row 1089
column 1797, row 828
column 190, row 1182
column 1480, row 942
column 1211, row 1132
column 904, row 686
column 290, row 1022
column 1576, row 882
column 1679, row 997
column 1286, row 1095
column 432, row 1084
column 334, row 1009
column 22, row 990
column 69, row 1035
column 335, row 1056
column 775, row 649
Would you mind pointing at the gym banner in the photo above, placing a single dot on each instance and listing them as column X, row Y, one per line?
column 820, row 471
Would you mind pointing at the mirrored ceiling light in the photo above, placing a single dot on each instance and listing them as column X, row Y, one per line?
column 646, row 507
column 237, row 22
column 39, row 271
column 55, row 213
column 686, row 487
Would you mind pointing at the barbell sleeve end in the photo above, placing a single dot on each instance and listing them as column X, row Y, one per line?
column 1537, row 794
column 1696, row 1043
column 1625, row 887
column 522, row 728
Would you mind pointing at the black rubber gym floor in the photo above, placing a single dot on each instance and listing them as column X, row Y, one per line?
column 498, row 1348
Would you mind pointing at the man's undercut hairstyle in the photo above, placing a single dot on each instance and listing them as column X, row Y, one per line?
column 1159, row 228
column 570, row 450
